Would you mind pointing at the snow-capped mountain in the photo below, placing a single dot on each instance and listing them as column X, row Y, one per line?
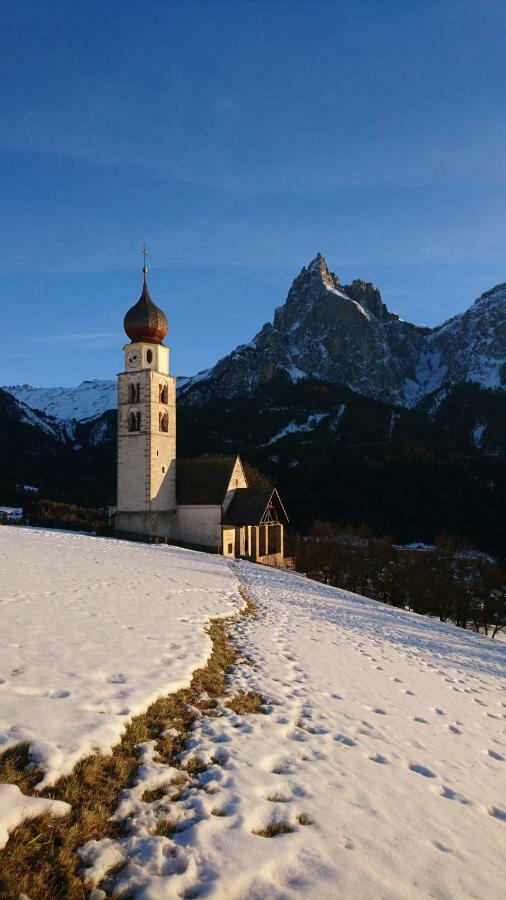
column 340, row 334
column 87, row 401
column 344, row 334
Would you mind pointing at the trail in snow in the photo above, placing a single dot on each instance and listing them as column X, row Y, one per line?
column 381, row 753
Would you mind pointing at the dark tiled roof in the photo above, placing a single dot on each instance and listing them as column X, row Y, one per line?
column 203, row 480
column 249, row 505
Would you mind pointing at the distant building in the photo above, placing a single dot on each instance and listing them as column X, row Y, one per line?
column 204, row 503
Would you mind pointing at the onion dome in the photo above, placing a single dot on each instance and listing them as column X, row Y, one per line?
column 145, row 321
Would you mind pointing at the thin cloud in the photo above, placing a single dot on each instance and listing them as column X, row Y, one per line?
column 76, row 337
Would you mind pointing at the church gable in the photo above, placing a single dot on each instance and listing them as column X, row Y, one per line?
column 237, row 482
column 255, row 506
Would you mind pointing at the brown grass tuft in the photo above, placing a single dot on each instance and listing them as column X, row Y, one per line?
column 304, row 819
column 166, row 828
column 246, row 702
column 154, row 795
column 274, row 829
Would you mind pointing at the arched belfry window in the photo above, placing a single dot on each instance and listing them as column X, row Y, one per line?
column 163, row 419
column 149, row 357
column 134, row 421
column 164, row 393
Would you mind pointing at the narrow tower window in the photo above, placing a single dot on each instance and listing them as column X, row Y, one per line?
column 163, row 419
column 164, row 393
column 149, row 356
column 134, row 421
column 134, row 392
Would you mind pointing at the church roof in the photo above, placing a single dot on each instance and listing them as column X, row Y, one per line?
column 203, row 481
column 249, row 505
column 145, row 321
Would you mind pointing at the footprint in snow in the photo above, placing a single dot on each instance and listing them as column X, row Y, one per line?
column 494, row 755
column 441, row 847
column 497, row 813
column 454, row 729
column 343, row 739
column 117, row 678
column 421, row 770
column 378, row 758
column 449, row 794
column 420, row 720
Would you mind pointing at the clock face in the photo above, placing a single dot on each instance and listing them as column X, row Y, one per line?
column 133, row 358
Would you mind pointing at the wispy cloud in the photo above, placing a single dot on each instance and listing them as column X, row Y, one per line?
column 73, row 338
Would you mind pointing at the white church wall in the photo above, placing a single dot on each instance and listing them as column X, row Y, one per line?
column 199, row 525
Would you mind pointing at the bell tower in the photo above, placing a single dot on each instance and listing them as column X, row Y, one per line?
column 146, row 502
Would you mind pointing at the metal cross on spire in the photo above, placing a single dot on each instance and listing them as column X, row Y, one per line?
column 144, row 253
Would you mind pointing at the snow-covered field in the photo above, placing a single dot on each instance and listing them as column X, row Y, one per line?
column 92, row 631
column 382, row 745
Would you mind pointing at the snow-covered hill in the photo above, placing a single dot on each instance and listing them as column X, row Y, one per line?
column 375, row 768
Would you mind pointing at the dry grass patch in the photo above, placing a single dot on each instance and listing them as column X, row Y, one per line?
column 274, row 829
column 246, row 702
column 195, row 765
column 304, row 819
column 40, row 857
column 249, row 607
column 154, row 795
column 166, row 828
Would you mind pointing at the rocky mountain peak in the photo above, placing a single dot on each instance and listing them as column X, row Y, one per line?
column 319, row 271
column 314, row 277
column 369, row 296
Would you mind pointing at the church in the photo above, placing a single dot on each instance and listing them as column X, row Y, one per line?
column 204, row 503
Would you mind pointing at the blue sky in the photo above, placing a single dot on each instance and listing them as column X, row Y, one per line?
column 238, row 139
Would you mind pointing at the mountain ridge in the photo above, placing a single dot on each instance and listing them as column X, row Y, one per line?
column 337, row 333
column 345, row 334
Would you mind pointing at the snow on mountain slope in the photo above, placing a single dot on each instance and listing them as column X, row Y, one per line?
column 376, row 770
column 99, row 648
column 472, row 346
column 87, row 401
